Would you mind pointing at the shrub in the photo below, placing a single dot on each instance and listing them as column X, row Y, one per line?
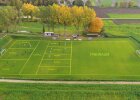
column 96, row 25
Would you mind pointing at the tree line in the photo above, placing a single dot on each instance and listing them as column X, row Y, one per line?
column 51, row 2
column 52, row 15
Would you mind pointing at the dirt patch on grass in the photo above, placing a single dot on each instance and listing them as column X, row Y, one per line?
column 126, row 21
column 102, row 12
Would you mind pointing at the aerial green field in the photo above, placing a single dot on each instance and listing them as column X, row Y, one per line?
column 14, row 91
column 101, row 59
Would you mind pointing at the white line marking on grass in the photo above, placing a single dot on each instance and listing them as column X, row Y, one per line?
column 56, row 59
column 53, row 66
column 7, row 43
column 42, row 59
column 5, row 50
column 21, row 48
column 12, row 44
column 3, row 36
column 28, row 40
column 56, row 53
column 70, row 58
column 13, row 59
column 60, row 46
column 29, row 58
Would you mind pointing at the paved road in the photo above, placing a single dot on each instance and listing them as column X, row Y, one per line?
column 70, row 82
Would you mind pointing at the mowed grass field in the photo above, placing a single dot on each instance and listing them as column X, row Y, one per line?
column 100, row 59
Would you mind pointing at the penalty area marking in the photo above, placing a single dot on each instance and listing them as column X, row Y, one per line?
column 29, row 58
column 42, row 59
column 21, row 48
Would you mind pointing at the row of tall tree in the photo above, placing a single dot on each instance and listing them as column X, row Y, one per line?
column 8, row 18
column 52, row 15
column 64, row 15
column 51, row 2
column 64, row 2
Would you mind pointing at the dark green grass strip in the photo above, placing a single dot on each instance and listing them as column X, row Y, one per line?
column 15, row 91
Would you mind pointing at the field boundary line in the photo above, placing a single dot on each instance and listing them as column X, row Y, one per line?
column 41, row 59
column 7, row 43
column 28, row 40
column 29, row 58
column 60, row 46
column 3, row 36
column 13, row 59
column 21, row 48
column 12, row 44
column 54, row 66
column 56, row 59
column 58, row 54
column 70, row 58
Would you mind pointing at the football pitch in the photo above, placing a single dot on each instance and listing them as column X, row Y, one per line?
column 100, row 59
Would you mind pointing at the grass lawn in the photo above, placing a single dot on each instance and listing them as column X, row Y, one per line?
column 13, row 91
column 101, row 59
column 5, row 41
column 36, row 27
column 135, row 16
column 123, row 29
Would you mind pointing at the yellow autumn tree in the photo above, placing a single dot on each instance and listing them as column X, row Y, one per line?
column 29, row 9
column 96, row 25
column 77, row 16
column 57, row 12
column 88, row 15
column 65, row 15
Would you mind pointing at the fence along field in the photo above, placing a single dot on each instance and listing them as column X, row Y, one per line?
column 101, row 59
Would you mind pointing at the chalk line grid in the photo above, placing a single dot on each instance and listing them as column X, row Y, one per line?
column 54, row 59
column 28, row 59
column 20, row 72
